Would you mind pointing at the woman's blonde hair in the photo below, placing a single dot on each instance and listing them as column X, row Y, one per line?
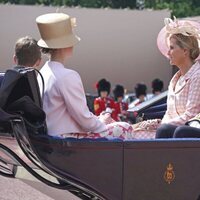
column 188, row 42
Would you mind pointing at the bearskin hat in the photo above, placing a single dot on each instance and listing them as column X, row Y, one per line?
column 157, row 85
column 118, row 91
column 103, row 85
column 140, row 89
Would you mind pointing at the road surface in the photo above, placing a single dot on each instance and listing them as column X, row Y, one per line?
column 14, row 189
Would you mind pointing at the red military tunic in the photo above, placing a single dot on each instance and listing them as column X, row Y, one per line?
column 100, row 105
column 121, row 110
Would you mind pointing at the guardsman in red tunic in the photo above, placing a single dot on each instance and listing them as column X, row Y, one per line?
column 140, row 92
column 103, row 102
column 121, row 107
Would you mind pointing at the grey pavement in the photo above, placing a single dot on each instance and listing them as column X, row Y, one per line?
column 14, row 189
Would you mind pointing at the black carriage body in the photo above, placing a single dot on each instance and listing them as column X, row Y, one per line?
column 117, row 170
column 164, row 169
column 133, row 170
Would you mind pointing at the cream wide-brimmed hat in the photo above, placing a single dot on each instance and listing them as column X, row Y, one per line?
column 56, row 31
column 185, row 27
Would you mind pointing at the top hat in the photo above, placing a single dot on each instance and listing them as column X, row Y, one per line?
column 118, row 91
column 56, row 31
column 185, row 27
column 103, row 85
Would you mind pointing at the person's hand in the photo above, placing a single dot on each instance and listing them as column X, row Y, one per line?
column 106, row 118
column 124, row 112
column 148, row 125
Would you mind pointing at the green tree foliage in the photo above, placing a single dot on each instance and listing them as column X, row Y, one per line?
column 123, row 4
column 92, row 3
column 179, row 8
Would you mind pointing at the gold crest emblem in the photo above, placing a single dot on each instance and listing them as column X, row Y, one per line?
column 169, row 174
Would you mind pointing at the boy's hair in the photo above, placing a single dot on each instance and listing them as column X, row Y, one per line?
column 27, row 51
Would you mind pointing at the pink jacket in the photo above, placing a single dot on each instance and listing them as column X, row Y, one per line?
column 64, row 102
column 183, row 101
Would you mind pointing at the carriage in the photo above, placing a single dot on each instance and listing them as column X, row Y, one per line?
column 93, row 168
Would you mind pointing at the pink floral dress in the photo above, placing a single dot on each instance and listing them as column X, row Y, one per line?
column 120, row 130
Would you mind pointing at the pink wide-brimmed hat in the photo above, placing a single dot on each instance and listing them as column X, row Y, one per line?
column 185, row 27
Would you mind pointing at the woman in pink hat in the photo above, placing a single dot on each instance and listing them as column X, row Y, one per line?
column 64, row 98
column 179, row 42
column 182, row 39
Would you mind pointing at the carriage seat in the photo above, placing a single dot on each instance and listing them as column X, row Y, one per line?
column 5, row 127
column 155, row 112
